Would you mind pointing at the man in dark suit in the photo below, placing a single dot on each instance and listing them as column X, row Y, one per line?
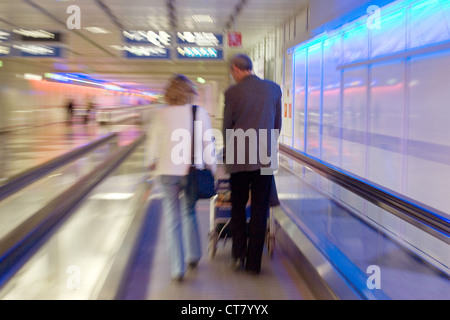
column 252, row 121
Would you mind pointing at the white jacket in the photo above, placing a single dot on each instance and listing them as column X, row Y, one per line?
column 170, row 140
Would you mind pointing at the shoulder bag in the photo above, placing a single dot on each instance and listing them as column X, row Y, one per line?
column 200, row 183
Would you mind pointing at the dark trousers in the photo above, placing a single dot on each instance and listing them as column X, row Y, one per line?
column 249, row 246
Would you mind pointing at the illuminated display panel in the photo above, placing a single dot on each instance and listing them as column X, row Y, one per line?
column 199, row 53
column 4, row 50
column 142, row 52
column 38, row 35
column 4, row 36
column 158, row 45
column 36, row 51
column 159, row 39
column 200, row 39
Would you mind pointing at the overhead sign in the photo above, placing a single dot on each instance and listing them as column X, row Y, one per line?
column 158, row 45
column 37, row 51
column 234, row 39
column 4, row 36
column 4, row 43
column 200, row 39
column 38, row 35
column 199, row 53
column 159, row 39
column 4, row 50
column 146, row 52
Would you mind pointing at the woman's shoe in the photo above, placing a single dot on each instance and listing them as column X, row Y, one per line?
column 177, row 279
column 193, row 265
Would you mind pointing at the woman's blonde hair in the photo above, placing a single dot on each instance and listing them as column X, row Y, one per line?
column 180, row 91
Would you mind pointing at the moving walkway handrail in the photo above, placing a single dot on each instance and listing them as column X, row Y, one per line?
column 15, row 183
column 17, row 247
column 418, row 214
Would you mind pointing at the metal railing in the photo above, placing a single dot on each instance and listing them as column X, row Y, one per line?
column 16, row 183
column 420, row 215
column 19, row 245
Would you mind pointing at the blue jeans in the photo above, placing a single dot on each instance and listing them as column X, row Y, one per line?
column 181, row 225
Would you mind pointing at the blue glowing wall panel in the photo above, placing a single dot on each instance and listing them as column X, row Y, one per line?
column 313, row 125
column 354, row 120
column 393, row 24
column 299, row 99
column 386, row 125
column 427, row 24
column 428, row 148
column 331, row 100
column 372, row 98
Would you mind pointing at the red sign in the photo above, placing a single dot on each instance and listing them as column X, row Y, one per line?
column 234, row 39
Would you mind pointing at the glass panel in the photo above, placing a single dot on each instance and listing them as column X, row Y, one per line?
column 314, row 99
column 428, row 151
column 331, row 100
column 355, row 43
column 427, row 24
column 300, row 96
column 386, row 124
column 390, row 37
column 287, row 128
column 354, row 121
column 445, row 5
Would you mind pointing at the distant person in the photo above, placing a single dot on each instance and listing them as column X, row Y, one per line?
column 253, row 105
column 69, row 108
column 89, row 111
column 175, row 118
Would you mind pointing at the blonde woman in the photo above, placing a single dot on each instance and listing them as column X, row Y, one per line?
column 170, row 158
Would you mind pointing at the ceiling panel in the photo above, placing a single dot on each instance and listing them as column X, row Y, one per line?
column 94, row 53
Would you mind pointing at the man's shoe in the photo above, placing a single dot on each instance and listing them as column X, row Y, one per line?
column 253, row 272
column 238, row 265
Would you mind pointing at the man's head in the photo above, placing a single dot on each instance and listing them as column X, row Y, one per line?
column 241, row 66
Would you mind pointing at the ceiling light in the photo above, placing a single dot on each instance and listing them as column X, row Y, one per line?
column 30, row 76
column 96, row 30
column 39, row 34
column 201, row 18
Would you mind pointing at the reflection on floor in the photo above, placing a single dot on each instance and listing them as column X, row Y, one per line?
column 214, row 279
column 23, row 149
column 337, row 232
